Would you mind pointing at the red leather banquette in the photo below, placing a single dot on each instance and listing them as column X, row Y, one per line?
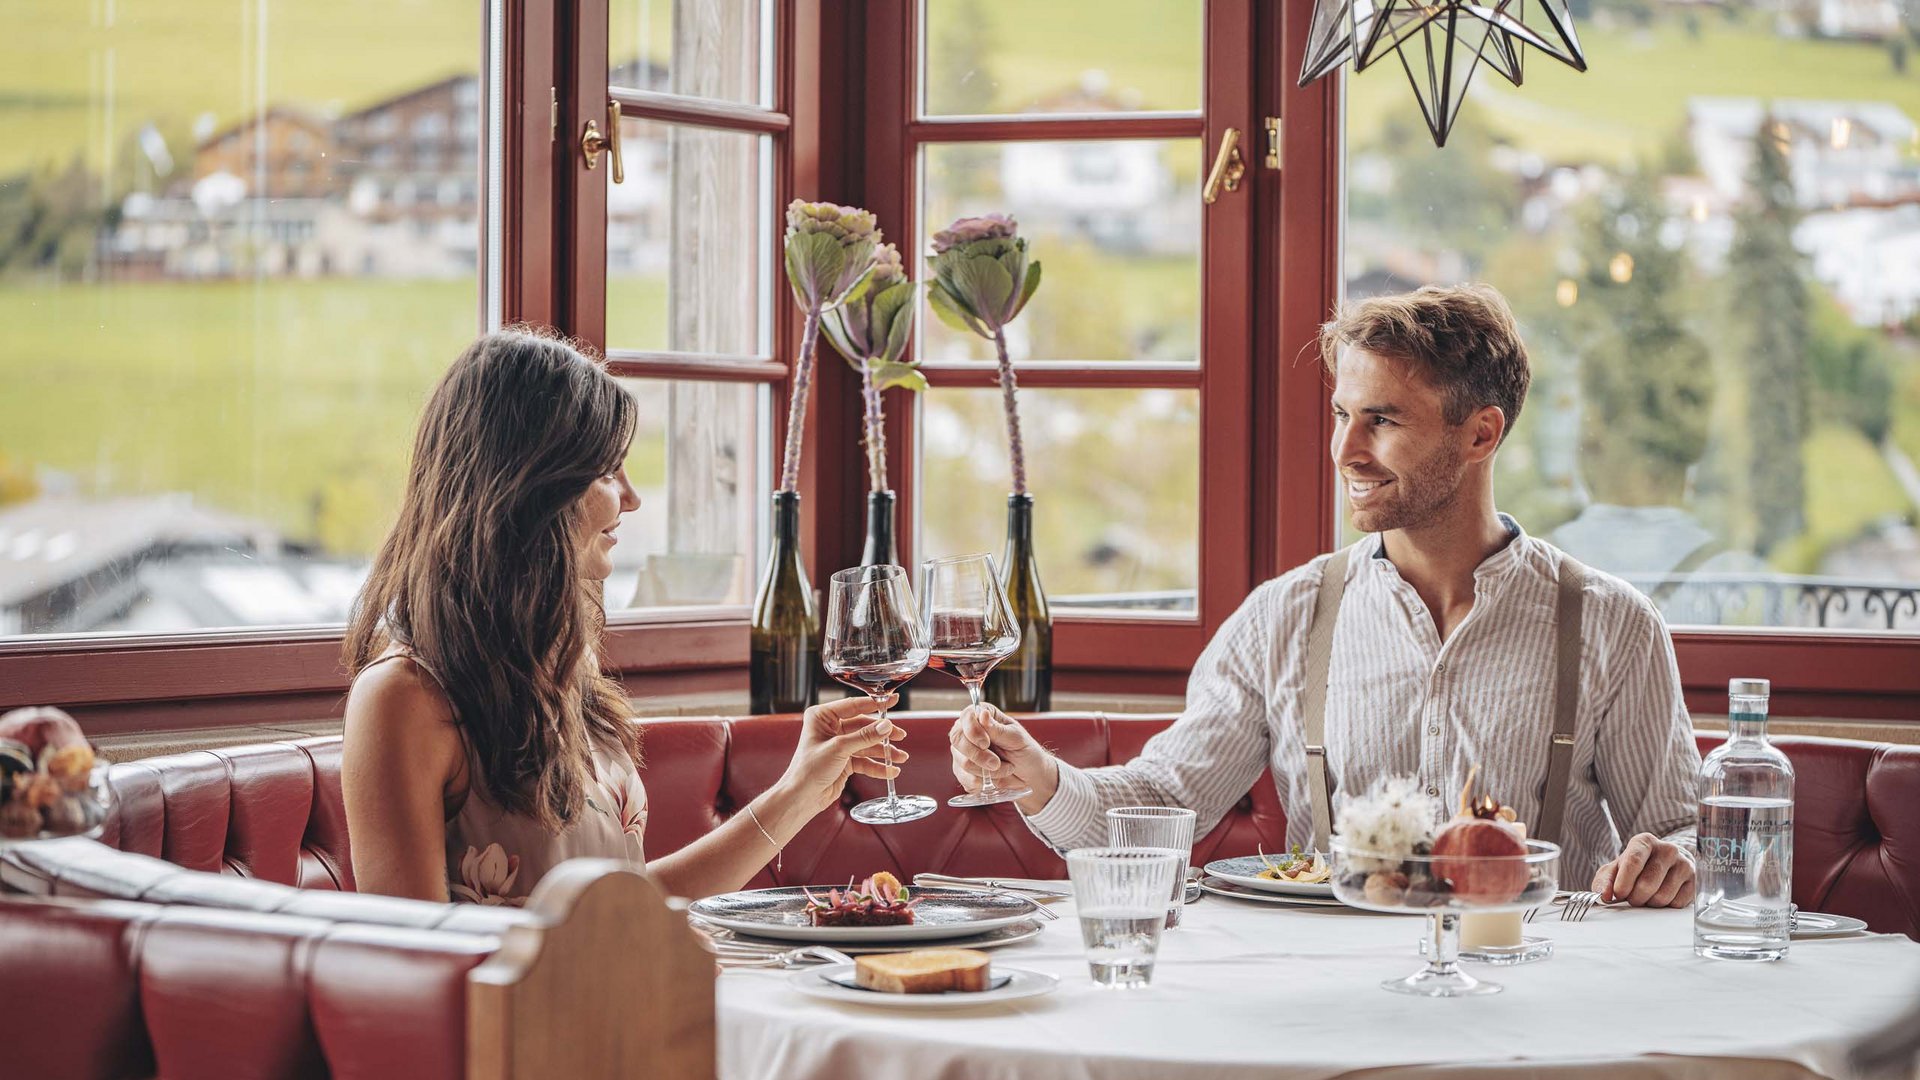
column 272, row 813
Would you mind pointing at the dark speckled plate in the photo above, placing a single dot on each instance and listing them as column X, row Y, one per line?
column 941, row 914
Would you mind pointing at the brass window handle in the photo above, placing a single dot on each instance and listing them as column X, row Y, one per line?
column 1228, row 168
column 592, row 142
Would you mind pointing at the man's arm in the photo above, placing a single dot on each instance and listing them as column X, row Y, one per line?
column 1648, row 765
column 1204, row 762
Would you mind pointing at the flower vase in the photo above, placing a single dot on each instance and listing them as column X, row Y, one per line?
column 1023, row 682
column 784, row 663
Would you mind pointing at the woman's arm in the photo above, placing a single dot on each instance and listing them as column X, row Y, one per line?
column 400, row 754
column 836, row 740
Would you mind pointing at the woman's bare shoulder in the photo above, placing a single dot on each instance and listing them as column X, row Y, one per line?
column 396, row 705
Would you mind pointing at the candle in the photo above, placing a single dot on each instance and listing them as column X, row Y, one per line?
column 1489, row 929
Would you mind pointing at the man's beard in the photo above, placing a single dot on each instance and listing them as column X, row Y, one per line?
column 1418, row 498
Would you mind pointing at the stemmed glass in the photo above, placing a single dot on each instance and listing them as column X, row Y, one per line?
column 874, row 643
column 970, row 629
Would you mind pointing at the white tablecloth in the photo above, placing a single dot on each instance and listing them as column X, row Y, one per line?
column 1249, row 990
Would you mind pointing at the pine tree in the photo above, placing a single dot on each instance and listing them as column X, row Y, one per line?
column 1646, row 383
column 1772, row 311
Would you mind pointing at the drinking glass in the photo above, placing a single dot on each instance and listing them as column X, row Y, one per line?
column 970, row 628
column 1121, row 897
column 874, row 643
column 1159, row 828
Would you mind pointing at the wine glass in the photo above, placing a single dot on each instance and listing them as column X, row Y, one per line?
column 874, row 643
column 970, row 628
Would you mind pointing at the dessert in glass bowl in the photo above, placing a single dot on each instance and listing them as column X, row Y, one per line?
column 51, row 785
column 1389, row 856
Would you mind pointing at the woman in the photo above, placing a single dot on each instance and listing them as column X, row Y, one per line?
column 483, row 743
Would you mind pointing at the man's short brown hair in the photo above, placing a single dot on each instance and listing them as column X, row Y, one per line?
column 1462, row 339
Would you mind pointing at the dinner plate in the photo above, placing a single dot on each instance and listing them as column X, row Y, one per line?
column 1240, row 892
column 992, row 939
column 1245, row 872
column 1814, row 924
column 941, row 914
column 835, row 983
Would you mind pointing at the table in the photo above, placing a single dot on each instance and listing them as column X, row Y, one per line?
column 1247, row 990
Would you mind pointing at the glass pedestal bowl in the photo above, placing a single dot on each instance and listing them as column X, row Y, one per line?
column 80, row 813
column 1443, row 888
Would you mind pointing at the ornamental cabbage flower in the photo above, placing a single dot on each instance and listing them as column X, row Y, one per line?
column 829, row 253
column 871, row 329
column 982, row 278
column 829, row 249
column 982, row 281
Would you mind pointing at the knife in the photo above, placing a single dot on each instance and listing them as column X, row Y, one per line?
column 1028, row 887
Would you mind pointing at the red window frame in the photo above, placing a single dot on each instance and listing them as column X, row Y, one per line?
column 841, row 93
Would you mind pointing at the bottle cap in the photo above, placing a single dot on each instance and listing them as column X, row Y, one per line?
column 1747, row 687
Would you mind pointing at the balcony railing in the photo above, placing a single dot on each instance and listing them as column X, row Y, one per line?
column 1702, row 599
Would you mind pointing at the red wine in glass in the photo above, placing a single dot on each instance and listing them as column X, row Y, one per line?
column 874, row 641
column 970, row 628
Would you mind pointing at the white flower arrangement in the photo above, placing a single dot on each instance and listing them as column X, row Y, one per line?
column 1387, row 823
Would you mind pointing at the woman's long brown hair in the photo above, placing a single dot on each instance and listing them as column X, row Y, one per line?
column 480, row 578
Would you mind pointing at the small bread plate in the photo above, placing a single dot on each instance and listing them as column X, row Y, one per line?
column 1240, row 892
column 1814, row 924
column 1245, row 872
column 939, row 915
column 835, row 983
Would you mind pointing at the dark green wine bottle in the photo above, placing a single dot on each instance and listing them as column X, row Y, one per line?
column 1024, row 681
column 880, row 549
column 784, row 664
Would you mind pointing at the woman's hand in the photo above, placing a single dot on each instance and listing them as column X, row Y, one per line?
column 837, row 740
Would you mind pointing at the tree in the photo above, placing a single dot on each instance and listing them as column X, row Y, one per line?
column 1772, row 314
column 1850, row 371
column 1646, row 383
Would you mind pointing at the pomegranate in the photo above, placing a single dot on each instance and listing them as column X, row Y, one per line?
column 1463, row 856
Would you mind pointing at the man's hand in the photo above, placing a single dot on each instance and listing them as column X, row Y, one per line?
column 988, row 741
column 1650, row 872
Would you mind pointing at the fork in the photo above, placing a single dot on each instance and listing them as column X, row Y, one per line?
column 1577, row 905
column 743, row 956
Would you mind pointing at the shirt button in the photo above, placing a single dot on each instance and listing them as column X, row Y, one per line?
column 1440, row 667
column 1431, row 790
column 1434, row 730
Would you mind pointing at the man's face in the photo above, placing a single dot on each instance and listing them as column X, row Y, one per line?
column 1401, row 464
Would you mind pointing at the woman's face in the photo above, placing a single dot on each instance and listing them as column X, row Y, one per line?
column 601, row 508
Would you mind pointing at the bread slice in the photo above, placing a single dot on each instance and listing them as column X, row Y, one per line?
column 922, row 971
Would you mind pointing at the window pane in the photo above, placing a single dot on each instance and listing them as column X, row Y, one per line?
column 699, row 464
column 1709, row 240
column 687, row 241
column 720, row 49
column 1116, row 224
column 225, row 293
column 1115, row 476
column 1064, row 56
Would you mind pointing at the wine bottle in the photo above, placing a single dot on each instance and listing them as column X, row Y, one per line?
column 784, row 663
column 1024, row 681
column 880, row 550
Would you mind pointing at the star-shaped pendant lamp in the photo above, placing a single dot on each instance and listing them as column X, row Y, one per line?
column 1440, row 44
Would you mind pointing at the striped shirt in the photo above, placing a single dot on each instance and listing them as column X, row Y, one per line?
column 1402, row 702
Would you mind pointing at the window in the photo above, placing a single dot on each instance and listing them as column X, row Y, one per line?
column 1129, row 354
column 688, row 295
column 214, row 355
column 1709, row 240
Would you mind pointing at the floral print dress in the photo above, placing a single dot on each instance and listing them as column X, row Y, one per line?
column 496, row 857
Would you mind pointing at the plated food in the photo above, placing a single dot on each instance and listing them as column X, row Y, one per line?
column 1296, row 868
column 879, row 901
column 790, row 913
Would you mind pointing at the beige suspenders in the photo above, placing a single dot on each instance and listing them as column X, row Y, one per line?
column 1566, row 697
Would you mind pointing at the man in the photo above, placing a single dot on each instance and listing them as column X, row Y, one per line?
column 1433, row 645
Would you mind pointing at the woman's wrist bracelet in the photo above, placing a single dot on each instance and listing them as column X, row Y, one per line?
column 778, row 850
